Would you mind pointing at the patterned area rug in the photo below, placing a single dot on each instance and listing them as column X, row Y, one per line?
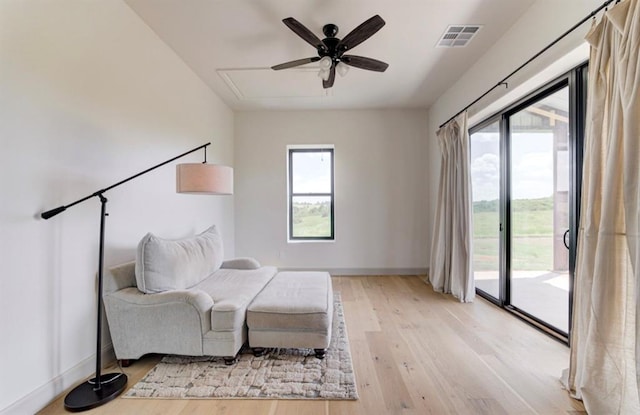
column 280, row 374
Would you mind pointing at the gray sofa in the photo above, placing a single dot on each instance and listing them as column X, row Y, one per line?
column 180, row 297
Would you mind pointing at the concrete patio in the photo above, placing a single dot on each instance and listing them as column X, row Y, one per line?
column 543, row 294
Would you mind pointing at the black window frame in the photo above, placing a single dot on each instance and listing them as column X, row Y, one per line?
column 290, row 166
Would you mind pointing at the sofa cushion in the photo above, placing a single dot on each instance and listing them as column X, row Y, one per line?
column 163, row 264
column 293, row 300
column 232, row 290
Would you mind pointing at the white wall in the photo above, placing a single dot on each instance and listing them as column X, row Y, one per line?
column 88, row 96
column 381, row 187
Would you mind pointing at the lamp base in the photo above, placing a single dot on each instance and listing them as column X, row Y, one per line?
column 84, row 396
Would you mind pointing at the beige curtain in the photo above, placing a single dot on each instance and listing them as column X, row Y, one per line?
column 605, row 342
column 450, row 268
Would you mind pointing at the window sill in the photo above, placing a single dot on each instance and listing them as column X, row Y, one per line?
column 310, row 241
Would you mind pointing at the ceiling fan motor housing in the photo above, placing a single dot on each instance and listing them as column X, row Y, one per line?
column 331, row 48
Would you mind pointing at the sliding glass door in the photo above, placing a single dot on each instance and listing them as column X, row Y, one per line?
column 539, row 209
column 525, row 169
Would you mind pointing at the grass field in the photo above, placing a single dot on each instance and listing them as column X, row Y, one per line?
column 312, row 225
column 311, row 219
column 531, row 247
column 532, row 243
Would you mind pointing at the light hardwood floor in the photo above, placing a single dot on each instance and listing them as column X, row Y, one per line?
column 414, row 352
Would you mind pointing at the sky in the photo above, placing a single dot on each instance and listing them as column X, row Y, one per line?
column 532, row 166
column 312, row 172
column 532, row 158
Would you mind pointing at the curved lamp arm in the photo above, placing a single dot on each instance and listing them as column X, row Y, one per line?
column 51, row 213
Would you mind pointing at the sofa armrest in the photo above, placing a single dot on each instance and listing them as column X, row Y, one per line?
column 171, row 322
column 199, row 299
column 240, row 263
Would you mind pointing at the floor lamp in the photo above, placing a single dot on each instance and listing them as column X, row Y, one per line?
column 195, row 178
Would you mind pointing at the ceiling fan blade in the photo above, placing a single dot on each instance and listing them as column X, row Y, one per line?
column 365, row 63
column 306, row 34
column 361, row 33
column 332, row 77
column 295, row 63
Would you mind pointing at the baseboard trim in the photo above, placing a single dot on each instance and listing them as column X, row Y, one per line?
column 47, row 393
column 363, row 271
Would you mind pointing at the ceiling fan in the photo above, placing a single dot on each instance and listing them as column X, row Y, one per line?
column 331, row 50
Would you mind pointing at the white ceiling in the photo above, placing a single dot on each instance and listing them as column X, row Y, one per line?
column 231, row 44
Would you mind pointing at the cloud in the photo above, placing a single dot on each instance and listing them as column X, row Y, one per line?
column 486, row 164
column 532, row 176
column 485, row 177
column 486, row 137
column 535, row 165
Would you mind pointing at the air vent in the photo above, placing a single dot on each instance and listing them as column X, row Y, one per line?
column 458, row 36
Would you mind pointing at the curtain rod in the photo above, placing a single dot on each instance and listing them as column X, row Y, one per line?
column 549, row 46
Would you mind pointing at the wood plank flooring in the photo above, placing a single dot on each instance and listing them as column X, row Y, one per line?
column 414, row 352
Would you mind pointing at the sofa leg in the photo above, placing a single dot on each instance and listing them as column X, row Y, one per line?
column 259, row 351
column 125, row 362
column 230, row 360
column 320, row 353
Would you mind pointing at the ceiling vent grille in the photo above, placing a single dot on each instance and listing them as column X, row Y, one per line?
column 458, row 36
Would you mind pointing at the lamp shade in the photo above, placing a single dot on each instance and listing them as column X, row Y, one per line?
column 203, row 178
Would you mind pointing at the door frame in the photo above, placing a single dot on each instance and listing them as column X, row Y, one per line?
column 576, row 81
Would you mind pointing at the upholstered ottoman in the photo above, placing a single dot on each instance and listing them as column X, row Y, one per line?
column 294, row 310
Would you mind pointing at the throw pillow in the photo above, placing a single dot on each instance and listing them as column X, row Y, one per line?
column 163, row 264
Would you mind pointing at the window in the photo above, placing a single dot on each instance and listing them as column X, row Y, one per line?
column 310, row 193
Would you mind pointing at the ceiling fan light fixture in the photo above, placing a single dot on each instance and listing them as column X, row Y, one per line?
column 324, row 74
column 342, row 68
column 325, row 63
